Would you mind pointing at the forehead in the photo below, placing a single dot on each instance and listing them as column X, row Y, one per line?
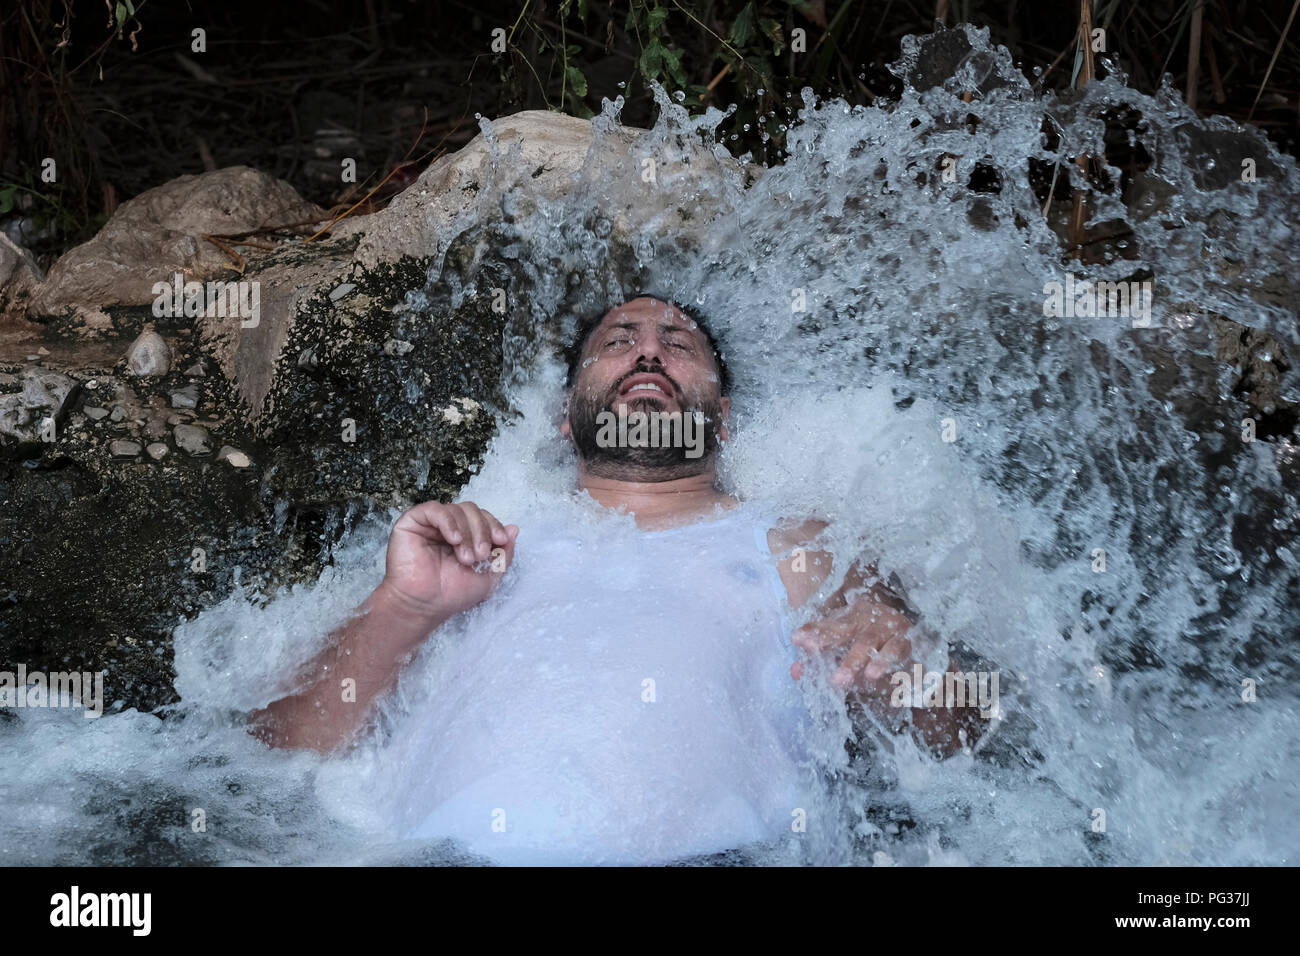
column 647, row 313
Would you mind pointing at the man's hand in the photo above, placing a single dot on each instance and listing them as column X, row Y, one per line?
column 873, row 633
column 865, row 625
column 445, row 559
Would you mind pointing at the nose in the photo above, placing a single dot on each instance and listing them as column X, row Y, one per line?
column 651, row 351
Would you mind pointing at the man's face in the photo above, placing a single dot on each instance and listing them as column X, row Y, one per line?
column 649, row 357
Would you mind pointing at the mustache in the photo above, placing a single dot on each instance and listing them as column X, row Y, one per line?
column 644, row 369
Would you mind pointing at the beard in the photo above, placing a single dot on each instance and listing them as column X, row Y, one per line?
column 633, row 463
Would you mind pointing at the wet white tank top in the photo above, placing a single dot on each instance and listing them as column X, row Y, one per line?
column 624, row 697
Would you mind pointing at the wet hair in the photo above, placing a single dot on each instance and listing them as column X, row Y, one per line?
column 573, row 354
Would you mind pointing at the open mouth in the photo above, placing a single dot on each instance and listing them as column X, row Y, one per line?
column 646, row 384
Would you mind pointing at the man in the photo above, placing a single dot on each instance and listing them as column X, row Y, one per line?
column 660, row 682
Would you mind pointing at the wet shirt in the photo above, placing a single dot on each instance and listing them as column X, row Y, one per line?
column 623, row 697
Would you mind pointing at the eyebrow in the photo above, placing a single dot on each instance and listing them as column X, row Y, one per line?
column 664, row 327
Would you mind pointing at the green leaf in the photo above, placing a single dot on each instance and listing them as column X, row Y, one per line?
column 572, row 49
column 7, row 199
column 583, row 8
column 743, row 28
column 120, row 11
column 130, row 7
column 673, row 65
column 577, row 81
column 656, row 19
column 651, row 59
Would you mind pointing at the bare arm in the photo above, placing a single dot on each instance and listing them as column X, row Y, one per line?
column 360, row 664
column 442, row 560
column 871, row 630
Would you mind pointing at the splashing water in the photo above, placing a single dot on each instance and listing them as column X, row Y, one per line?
column 1068, row 496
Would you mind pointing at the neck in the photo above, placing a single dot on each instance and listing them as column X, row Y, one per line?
column 657, row 504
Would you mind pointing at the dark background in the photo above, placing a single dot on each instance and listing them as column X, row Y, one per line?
column 115, row 93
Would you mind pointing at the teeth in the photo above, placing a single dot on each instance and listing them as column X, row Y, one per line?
column 637, row 388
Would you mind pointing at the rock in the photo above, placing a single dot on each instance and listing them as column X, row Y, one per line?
column 157, row 450
column 340, row 291
column 124, row 448
column 94, row 412
column 158, row 233
column 149, row 355
column 196, row 370
column 192, row 439
column 43, row 396
column 19, row 271
column 397, row 347
column 155, row 429
column 410, row 225
column 187, row 397
column 118, row 414
column 233, row 457
column 455, row 416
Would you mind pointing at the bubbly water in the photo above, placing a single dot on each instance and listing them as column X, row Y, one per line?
column 1069, row 497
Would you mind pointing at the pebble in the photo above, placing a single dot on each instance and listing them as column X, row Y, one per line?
column 339, row 291
column 119, row 414
column 94, row 413
column 397, row 347
column 157, row 450
column 196, row 370
column 187, row 397
column 192, row 439
column 124, row 448
column 149, row 355
column 156, row 429
column 42, row 351
column 233, row 457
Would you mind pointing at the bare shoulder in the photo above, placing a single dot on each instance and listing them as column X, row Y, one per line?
column 802, row 570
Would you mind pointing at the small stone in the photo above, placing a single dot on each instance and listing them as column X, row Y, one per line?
column 156, row 429
column 233, row 457
column 32, row 358
column 149, row 355
column 339, row 291
column 157, row 451
column 196, row 370
column 94, row 413
column 42, row 351
column 93, row 383
column 187, row 397
column 119, row 414
column 397, row 347
column 192, row 439
column 124, row 448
